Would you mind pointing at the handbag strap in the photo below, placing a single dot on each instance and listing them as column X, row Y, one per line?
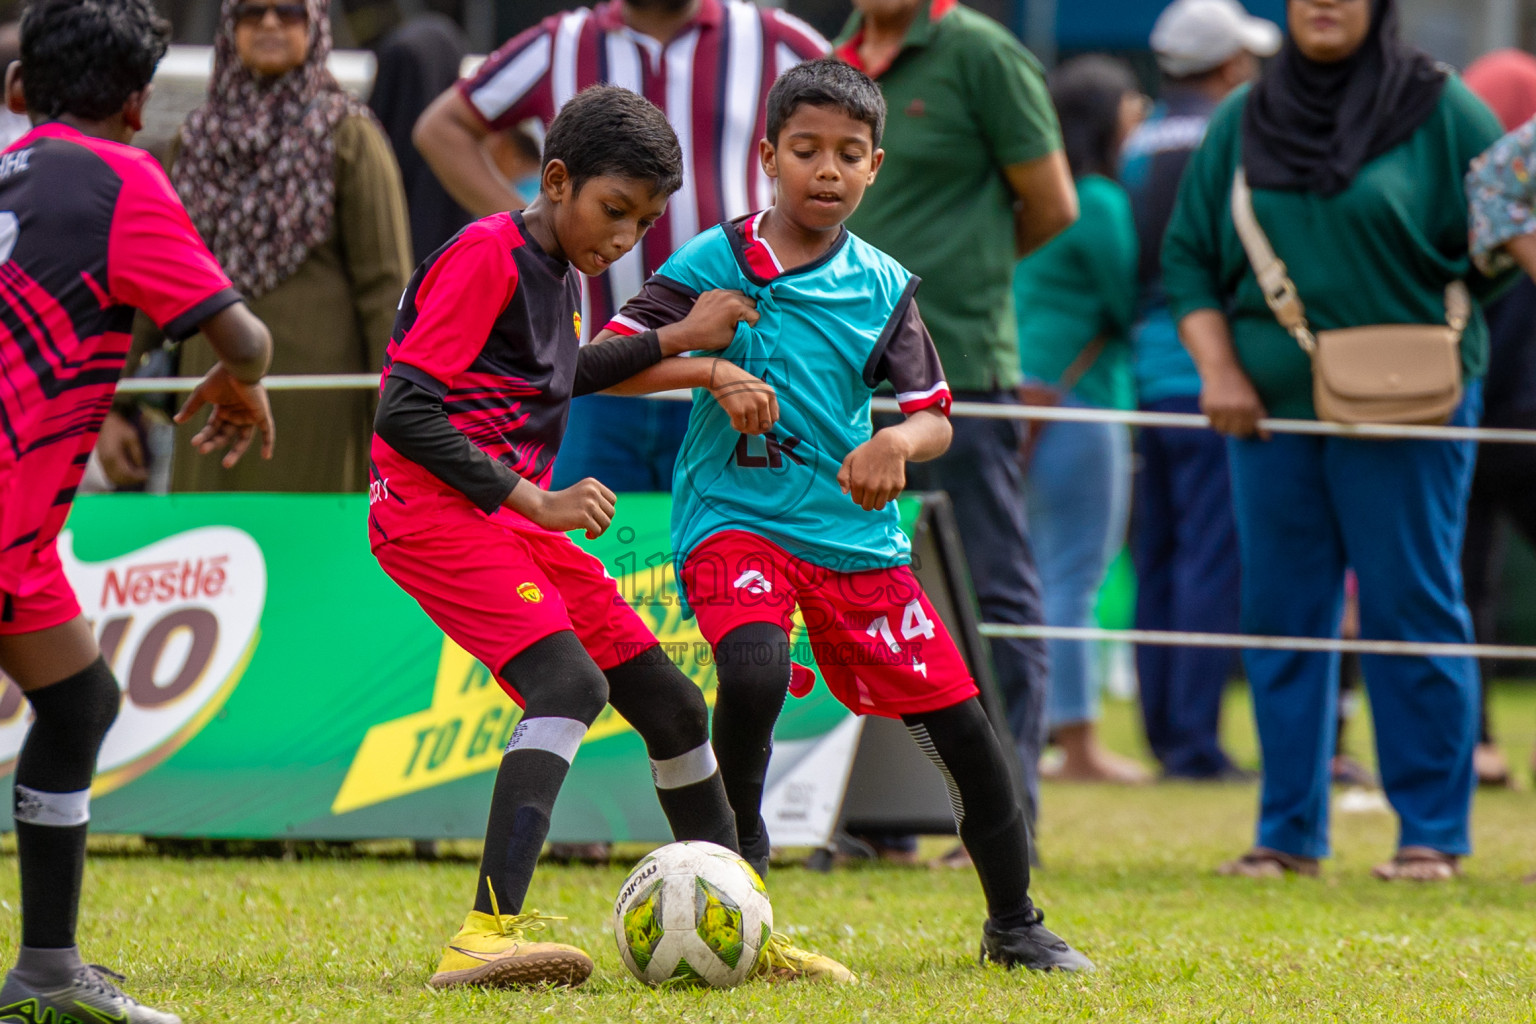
column 1280, row 291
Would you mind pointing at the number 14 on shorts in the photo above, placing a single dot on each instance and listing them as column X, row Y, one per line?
column 915, row 623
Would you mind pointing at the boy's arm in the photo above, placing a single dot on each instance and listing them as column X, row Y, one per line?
column 707, row 324
column 875, row 472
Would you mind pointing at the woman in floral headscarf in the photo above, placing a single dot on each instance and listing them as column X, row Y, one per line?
column 294, row 187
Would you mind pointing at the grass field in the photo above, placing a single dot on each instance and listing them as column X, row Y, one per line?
column 1128, row 880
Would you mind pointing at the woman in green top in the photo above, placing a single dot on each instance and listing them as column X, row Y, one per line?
column 1355, row 145
column 1075, row 298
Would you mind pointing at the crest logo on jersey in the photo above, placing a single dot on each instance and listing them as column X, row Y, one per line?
column 576, row 323
column 530, row 592
column 754, row 582
column 177, row 622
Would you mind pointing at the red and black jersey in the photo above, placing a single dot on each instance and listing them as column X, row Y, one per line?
column 491, row 325
column 89, row 231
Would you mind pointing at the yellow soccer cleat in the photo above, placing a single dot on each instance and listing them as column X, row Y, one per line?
column 491, row 950
column 781, row 961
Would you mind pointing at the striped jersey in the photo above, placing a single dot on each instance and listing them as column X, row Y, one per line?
column 488, row 324
column 90, row 230
column 829, row 332
column 712, row 81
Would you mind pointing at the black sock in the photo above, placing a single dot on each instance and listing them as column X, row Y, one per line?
column 752, row 662
column 669, row 713
column 960, row 741
column 53, row 783
column 563, row 691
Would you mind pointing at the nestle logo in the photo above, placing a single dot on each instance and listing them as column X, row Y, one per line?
column 160, row 582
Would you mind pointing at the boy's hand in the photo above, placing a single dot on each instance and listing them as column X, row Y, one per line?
column 752, row 404
column 586, row 505
column 239, row 410
column 121, row 452
column 875, row 472
column 710, row 325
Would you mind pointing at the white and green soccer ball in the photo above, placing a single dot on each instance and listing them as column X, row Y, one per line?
column 693, row 913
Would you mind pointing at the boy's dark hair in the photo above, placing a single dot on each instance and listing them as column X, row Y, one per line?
column 86, row 57
column 1088, row 92
column 826, row 82
column 607, row 130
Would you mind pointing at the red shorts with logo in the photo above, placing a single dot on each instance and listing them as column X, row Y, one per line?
column 877, row 640
column 42, row 600
column 496, row 591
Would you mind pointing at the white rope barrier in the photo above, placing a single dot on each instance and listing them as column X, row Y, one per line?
column 1001, row 631
column 979, row 410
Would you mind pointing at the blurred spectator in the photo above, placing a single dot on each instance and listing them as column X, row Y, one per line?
column 1184, row 538
column 12, row 125
column 292, row 184
column 1355, row 145
column 973, row 178
column 1074, row 297
column 708, row 64
column 417, row 61
column 1504, row 483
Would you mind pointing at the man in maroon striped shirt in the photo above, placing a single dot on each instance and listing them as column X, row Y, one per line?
column 708, row 64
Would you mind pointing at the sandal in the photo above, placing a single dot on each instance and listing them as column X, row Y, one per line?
column 1419, row 864
column 1262, row 862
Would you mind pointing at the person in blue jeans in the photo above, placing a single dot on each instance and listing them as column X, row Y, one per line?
column 1355, row 146
column 1183, row 538
column 1074, row 299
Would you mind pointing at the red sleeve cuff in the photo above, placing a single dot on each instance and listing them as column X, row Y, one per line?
column 936, row 396
column 622, row 325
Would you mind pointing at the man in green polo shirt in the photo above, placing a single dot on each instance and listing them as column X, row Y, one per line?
column 973, row 178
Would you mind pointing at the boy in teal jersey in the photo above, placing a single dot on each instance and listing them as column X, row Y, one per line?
column 784, row 496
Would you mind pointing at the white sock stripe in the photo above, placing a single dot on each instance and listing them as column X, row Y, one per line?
column 560, row 736
column 60, row 810
column 925, row 742
column 685, row 769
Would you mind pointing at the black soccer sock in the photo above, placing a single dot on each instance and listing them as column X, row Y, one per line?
column 753, row 665
column 564, row 691
column 960, row 741
column 53, row 788
column 669, row 713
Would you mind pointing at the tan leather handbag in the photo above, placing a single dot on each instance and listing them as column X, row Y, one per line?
column 1383, row 373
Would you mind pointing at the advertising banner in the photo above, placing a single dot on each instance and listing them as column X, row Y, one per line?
column 276, row 684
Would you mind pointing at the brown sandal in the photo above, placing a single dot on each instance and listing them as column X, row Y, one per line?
column 1262, row 862
column 1418, row 864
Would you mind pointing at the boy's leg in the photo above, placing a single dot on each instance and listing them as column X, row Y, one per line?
column 563, row 692
column 75, row 699
column 962, row 744
column 669, row 713
column 753, row 668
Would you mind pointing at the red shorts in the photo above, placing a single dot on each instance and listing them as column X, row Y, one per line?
column 496, row 591
column 876, row 638
column 42, row 600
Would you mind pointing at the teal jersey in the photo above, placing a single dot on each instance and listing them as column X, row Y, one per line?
column 824, row 340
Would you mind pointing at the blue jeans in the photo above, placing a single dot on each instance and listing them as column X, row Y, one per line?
column 1394, row 511
column 629, row 444
column 981, row 474
column 1187, row 580
column 1078, row 498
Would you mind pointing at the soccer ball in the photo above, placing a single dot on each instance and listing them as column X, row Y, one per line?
column 694, row 913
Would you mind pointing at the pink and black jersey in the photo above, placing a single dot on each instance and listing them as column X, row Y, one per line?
column 711, row 79
column 491, row 325
column 90, row 230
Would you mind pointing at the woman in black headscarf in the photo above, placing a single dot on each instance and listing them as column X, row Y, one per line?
column 1355, row 145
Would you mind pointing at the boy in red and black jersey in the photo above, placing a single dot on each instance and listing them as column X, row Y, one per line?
column 90, row 229
column 480, row 371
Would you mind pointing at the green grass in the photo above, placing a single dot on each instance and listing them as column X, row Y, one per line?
column 1128, row 880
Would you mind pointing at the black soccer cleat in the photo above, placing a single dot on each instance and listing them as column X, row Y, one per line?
column 1034, row 946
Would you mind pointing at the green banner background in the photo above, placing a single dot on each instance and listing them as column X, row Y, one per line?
column 351, row 718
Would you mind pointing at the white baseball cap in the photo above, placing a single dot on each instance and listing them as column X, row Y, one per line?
column 1192, row 36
